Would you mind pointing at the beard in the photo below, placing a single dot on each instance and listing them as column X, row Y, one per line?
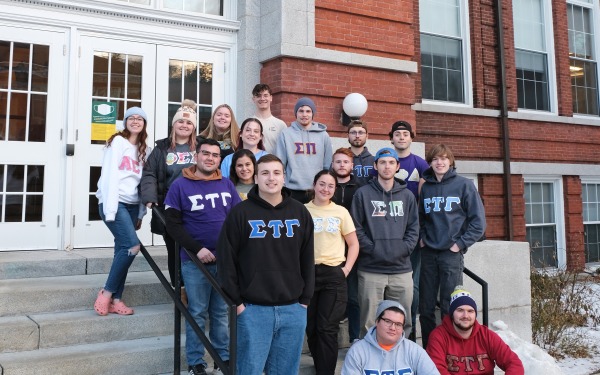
column 343, row 174
column 358, row 142
column 463, row 326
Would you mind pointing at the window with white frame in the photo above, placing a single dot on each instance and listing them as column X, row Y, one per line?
column 541, row 223
column 590, row 197
column 531, row 54
column 582, row 57
column 214, row 7
column 444, row 49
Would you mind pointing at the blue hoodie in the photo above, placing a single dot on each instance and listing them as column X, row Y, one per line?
column 303, row 153
column 450, row 211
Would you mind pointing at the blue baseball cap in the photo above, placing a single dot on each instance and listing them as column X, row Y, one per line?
column 385, row 153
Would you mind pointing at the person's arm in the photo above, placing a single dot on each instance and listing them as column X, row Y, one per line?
column 475, row 219
column 358, row 216
column 228, row 247
column 307, row 259
column 436, row 349
column 226, row 165
column 505, row 358
column 353, row 362
column 176, row 230
column 352, row 242
column 327, row 157
column 109, row 188
column 149, row 182
column 411, row 233
column 421, row 363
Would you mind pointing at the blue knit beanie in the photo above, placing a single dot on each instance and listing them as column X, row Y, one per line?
column 135, row 111
column 305, row 101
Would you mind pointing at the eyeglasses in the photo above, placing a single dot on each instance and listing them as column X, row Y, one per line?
column 355, row 133
column 389, row 323
column 213, row 154
column 135, row 119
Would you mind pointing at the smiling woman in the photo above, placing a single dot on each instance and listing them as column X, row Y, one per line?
column 223, row 128
column 251, row 139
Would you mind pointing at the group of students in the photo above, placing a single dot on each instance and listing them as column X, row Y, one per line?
column 298, row 236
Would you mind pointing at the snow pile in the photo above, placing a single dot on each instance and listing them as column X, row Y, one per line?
column 535, row 359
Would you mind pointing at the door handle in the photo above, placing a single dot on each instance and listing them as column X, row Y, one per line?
column 70, row 149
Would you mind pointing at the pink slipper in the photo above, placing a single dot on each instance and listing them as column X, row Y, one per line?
column 102, row 304
column 120, row 308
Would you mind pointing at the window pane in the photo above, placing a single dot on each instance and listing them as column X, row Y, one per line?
column 39, row 74
column 35, row 178
column 533, row 68
column 441, row 69
column 206, row 73
column 444, row 21
column 18, row 117
column 134, row 77
column 592, row 243
column 4, row 64
column 37, row 118
column 20, row 67
column 190, row 80
column 117, row 75
column 175, row 80
column 100, row 83
column 528, row 22
column 34, row 207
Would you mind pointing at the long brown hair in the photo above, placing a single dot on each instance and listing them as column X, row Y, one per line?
column 140, row 140
column 260, row 144
column 232, row 134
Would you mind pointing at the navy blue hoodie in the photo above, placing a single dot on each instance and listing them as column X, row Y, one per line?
column 450, row 211
column 266, row 253
column 387, row 227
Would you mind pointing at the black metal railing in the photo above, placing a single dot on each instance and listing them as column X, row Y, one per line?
column 484, row 293
column 180, row 309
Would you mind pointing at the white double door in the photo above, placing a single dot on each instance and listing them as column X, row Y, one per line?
column 163, row 86
column 47, row 182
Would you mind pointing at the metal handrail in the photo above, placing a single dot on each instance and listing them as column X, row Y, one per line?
column 484, row 292
column 175, row 294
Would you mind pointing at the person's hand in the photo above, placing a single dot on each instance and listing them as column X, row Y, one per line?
column 346, row 271
column 454, row 248
column 206, row 256
column 240, row 309
column 150, row 204
column 303, row 305
column 138, row 225
column 421, row 243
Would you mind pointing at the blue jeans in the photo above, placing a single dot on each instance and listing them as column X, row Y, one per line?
column 123, row 229
column 204, row 302
column 270, row 338
column 353, row 307
column 415, row 261
column 441, row 270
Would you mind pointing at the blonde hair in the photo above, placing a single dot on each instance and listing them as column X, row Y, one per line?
column 232, row 134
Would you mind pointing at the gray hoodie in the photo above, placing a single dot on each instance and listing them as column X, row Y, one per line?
column 367, row 357
column 303, row 153
column 387, row 227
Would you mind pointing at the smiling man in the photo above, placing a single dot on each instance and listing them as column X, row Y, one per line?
column 462, row 346
column 267, row 268
column 304, row 149
column 452, row 218
column 195, row 207
column 387, row 225
column 385, row 350
column 262, row 97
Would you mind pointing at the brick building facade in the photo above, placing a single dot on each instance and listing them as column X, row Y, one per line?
column 553, row 151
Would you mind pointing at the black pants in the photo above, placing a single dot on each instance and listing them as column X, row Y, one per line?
column 301, row 196
column 326, row 309
column 170, row 244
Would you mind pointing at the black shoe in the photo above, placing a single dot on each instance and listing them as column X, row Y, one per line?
column 196, row 370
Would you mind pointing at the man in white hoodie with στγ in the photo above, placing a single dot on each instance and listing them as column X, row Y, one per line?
column 305, row 149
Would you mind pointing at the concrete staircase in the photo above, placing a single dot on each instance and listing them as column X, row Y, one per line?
column 48, row 325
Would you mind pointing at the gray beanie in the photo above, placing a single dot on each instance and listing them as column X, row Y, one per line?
column 135, row 111
column 386, row 304
column 305, row 101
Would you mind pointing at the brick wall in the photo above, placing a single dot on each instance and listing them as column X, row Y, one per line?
column 389, row 93
column 574, row 222
column 491, row 189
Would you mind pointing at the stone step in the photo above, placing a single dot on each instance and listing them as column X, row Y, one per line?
column 48, row 263
column 153, row 355
column 72, row 293
column 307, row 367
column 43, row 331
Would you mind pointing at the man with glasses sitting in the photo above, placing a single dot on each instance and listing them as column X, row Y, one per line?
column 384, row 349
